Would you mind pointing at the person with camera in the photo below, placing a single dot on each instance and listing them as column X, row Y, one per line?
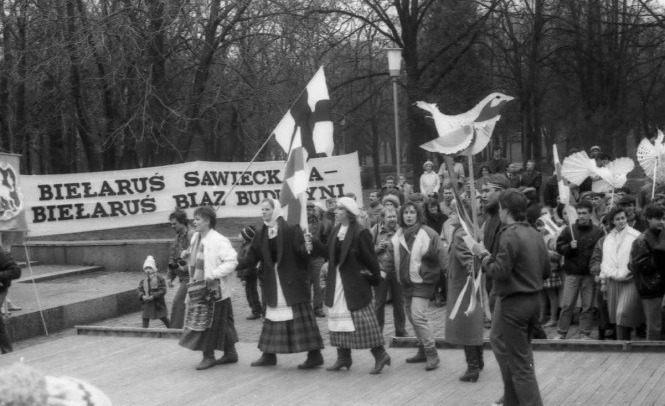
column 178, row 266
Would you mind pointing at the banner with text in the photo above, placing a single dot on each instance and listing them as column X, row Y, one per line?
column 69, row 203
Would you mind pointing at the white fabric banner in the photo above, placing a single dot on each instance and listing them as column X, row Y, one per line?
column 70, row 203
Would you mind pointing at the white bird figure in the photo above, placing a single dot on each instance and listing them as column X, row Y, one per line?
column 456, row 133
column 651, row 157
column 578, row 166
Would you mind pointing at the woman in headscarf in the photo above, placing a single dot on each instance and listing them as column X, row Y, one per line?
column 352, row 268
column 464, row 329
column 429, row 180
column 290, row 324
column 419, row 256
column 623, row 301
column 209, row 322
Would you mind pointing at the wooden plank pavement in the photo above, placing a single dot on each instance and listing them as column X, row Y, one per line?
column 148, row 371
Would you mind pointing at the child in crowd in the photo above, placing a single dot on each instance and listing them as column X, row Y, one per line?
column 151, row 293
column 250, row 276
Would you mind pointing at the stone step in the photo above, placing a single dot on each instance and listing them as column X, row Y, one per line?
column 43, row 273
column 554, row 345
column 129, row 331
column 24, row 264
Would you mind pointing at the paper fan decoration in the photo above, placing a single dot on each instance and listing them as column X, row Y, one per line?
column 577, row 167
column 612, row 176
column 651, row 157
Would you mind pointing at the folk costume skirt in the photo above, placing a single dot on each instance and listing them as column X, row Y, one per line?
column 220, row 335
column 624, row 303
column 287, row 337
column 367, row 332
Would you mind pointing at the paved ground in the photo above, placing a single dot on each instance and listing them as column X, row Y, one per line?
column 149, row 371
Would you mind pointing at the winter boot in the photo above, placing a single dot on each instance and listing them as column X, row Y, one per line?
column 432, row 359
column 381, row 359
column 314, row 359
column 343, row 360
column 419, row 357
column 267, row 359
column 230, row 355
column 208, row 361
column 481, row 361
column 472, row 370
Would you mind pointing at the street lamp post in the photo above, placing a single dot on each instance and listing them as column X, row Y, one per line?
column 394, row 67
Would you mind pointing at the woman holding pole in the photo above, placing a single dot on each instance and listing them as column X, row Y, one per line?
column 290, row 324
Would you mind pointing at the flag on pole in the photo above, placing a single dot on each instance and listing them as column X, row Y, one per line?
column 305, row 131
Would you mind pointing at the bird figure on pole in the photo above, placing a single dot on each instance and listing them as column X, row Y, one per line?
column 468, row 132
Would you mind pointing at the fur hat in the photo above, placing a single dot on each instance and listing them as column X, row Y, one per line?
column 248, row 232
column 349, row 204
column 416, row 197
column 390, row 198
column 150, row 263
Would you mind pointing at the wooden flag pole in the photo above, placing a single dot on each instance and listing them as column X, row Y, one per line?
column 653, row 188
column 472, row 189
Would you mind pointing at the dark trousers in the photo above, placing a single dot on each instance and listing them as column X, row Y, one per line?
column 165, row 320
column 178, row 306
column 252, row 294
column 513, row 321
column 315, row 265
column 381, row 293
column 5, row 341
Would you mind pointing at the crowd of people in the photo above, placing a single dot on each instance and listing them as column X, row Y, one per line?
column 534, row 267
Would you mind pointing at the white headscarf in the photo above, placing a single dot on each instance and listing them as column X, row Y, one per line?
column 276, row 213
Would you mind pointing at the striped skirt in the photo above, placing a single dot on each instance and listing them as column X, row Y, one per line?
column 624, row 304
column 367, row 334
column 221, row 334
column 298, row 335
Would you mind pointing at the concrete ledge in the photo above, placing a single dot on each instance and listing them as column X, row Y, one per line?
column 114, row 255
column 129, row 332
column 58, row 318
column 55, row 275
column 555, row 345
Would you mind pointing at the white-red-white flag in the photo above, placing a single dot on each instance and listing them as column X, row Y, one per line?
column 305, row 131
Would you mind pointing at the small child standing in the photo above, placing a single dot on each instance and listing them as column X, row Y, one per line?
column 151, row 292
column 249, row 276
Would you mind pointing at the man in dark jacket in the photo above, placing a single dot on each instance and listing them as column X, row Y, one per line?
column 8, row 272
column 577, row 249
column 491, row 190
column 518, row 270
column 646, row 263
column 629, row 204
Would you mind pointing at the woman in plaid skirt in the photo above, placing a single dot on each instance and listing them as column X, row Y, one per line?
column 352, row 268
column 290, row 324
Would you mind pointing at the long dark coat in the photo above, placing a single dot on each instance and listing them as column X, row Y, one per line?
column 155, row 308
column 357, row 253
column 293, row 261
column 463, row 329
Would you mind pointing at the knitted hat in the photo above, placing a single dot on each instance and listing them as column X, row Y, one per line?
column 497, row 181
column 595, row 148
column 349, row 204
column 428, row 163
column 416, row 197
column 628, row 199
column 248, row 232
column 150, row 263
column 390, row 198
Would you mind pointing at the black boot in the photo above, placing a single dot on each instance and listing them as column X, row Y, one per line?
column 230, row 355
column 381, row 359
column 314, row 359
column 601, row 333
column 419, row 357
column 343, row 360
column 473, row 369
column 267, row 359
column 481, row 361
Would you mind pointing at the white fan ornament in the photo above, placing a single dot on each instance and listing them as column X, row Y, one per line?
column 651, row 157
column 578, row 166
